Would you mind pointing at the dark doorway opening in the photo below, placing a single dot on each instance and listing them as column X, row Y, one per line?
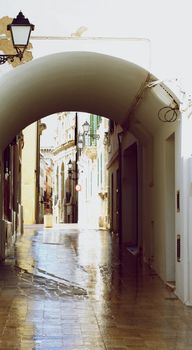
column 130, row 196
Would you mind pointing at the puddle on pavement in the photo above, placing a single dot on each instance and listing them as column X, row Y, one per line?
column 48, row 286
column 65, row 262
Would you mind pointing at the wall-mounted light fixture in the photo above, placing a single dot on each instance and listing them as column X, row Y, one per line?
column 70, row 167
column 80, row 141
column 20, row 29
column 7, row 173
column 106, row 139
column 82, row 137
column 72, row 171
column 86, row 128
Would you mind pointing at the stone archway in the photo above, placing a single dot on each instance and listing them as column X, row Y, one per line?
column 82, row 81
column 106, row 86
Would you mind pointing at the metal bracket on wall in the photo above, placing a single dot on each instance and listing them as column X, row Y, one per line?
column 178, row 248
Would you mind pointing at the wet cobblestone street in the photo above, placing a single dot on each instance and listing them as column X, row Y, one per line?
column 71, row 289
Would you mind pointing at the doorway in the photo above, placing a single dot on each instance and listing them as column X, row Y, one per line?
column 130, row 196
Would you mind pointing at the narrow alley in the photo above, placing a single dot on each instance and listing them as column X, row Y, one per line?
column 95, row 176
column 70, row 289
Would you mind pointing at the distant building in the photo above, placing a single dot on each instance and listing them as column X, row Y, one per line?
column 73, row 165
column 31, row 173
column 50, row 174
column 46, row 183
column 64, row 195
column 93, row 177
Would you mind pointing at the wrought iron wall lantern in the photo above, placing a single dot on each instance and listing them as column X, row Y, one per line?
column 20, row 29
column 70, row 167
column 81, row 141
column 7, row 173
column 86, row 128
column 72, row 171
column 106, row 139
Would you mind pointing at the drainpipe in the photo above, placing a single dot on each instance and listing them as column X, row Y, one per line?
column 2, row 223
column 76, row 167
column 120, row 137
column 40, row 128
column 37, row 174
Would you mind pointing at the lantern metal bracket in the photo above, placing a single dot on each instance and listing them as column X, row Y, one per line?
column 19, row 22
column 6, row 58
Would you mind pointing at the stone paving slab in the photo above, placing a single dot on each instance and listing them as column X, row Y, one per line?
column 67, row 290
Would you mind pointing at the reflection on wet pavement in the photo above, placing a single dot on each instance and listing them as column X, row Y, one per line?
column 66, row 288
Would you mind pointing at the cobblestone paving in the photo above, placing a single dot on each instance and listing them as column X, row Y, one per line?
column 70, row 289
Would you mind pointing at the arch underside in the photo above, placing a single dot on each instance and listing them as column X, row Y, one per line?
column 80, row 81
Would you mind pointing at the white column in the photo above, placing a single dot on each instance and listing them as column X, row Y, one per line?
column 184, row 215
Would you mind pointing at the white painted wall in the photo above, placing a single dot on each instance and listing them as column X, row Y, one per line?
column 29, row 168
column 89, row 203
column 160, row 203
column 183, row 222
column 166, row 165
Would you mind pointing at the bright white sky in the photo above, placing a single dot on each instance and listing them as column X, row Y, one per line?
column 167, row 23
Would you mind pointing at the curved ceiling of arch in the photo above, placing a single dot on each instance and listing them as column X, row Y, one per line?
column 75, row 81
